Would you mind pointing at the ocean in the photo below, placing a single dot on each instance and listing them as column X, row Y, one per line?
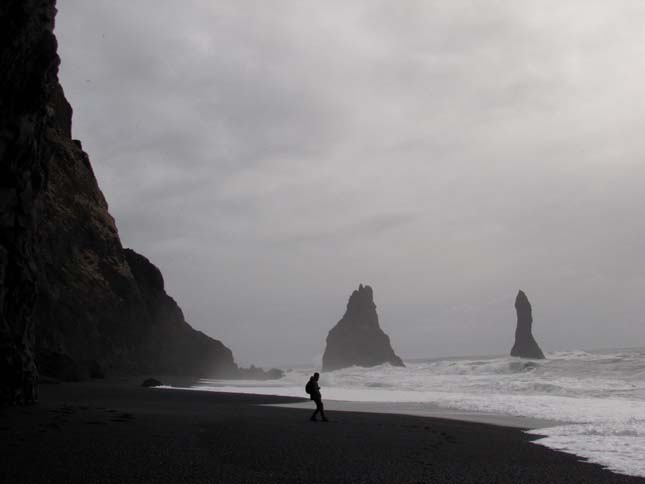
column 594, row 401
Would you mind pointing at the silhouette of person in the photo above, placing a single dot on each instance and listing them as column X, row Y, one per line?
column 314, row 394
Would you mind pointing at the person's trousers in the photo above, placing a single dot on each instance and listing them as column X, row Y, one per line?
column 319, row 409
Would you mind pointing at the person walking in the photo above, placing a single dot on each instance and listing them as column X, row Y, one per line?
column 313, row 390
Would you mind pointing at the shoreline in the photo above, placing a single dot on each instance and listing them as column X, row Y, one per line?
column 115, row 431
column 427, row 410
column 418, row 409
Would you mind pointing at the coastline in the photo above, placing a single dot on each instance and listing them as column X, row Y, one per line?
column 427, row 410
column 116, row 431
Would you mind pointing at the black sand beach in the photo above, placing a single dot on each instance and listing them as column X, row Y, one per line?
column 104, row 432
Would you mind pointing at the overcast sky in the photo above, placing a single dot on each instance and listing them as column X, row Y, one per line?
column 271, row 156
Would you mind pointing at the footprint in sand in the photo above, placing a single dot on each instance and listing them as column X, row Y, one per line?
column 51, row 425
column 123, row 417
column 66, row 410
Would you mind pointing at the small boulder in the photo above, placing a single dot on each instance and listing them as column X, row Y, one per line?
column 151, row 382
column 57, row 365
column 95, row 370
column 255, row 373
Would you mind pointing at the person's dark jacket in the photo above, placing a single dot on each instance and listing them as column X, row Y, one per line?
column 315, row 390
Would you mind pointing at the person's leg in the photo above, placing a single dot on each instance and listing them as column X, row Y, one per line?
column 321, row 408
column 313, row 416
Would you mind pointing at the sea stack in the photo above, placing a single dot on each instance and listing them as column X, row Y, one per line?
column 525, row 345
column 357, row 339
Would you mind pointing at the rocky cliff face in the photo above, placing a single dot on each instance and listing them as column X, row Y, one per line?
column 73, row 302
column 169, row 344
column 357, row 339
column 525, row 345
column 98, row 305
column 28, row 76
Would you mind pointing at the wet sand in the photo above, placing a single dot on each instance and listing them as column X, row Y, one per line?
column 429, row 410
column 117, row 432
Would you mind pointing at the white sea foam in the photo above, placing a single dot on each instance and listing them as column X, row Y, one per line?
column 598, row 397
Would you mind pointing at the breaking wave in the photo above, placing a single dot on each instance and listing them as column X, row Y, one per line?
column 596, row 400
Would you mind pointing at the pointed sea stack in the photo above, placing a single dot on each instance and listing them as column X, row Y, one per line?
column 525, row 345
column 357, row 339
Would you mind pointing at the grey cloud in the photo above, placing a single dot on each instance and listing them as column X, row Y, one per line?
column 270, row 156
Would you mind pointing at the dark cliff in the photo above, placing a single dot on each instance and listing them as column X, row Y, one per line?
column 99, row 305
column 525, row 345
column 28, row 76
column 357, row 339
column 73, row 302
column 170, row 344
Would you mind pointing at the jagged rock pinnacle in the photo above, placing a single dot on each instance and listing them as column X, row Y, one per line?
column 525, row 345
column 357, row 339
